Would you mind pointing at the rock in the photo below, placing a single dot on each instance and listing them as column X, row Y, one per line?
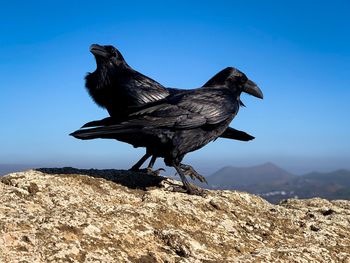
column 71, row 215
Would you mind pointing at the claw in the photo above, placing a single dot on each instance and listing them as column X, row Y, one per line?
column 189, row 189
column 156, row 172
column 189, row 171
column 177, row 189
column 197, row 191
column 194, row 190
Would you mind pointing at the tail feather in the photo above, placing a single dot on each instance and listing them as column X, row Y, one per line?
column 106, row 132
column 234, row 134
column 103, row 122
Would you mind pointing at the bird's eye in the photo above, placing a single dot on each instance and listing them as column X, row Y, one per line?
column 243, row 79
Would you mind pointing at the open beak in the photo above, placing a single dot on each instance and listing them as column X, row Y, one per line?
column 98, row 50
column 251, row 88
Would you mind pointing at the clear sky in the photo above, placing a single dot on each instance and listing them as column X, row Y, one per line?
column 297, row 51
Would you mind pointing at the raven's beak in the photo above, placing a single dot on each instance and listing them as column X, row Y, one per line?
column 251, row 88
column 98, row 50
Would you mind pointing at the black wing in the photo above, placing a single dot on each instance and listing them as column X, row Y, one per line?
column 181, row 111
column 187, row 111
column 144, row 89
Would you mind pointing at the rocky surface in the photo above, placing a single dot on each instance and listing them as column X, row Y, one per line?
column 69, row 215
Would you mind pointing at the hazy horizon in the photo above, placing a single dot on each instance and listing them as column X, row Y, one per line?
column 205, row 169
column 300, row 61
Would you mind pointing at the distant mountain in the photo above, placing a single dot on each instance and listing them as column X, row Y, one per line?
column 332, row 185
column 341, row 177
column 241, row 177
column 11, row 168
column 275, row 184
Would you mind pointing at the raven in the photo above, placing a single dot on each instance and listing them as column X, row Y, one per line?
column 180, row 123
column 114, row 85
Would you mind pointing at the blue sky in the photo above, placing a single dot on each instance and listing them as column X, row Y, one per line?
column 297, row 51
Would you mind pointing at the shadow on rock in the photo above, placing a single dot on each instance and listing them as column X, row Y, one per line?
column 131, row 179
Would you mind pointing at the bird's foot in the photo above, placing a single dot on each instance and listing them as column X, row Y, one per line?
column 189, row 171
column 177, row 189
column 189, row 189
column 195, row 190
column 156, row 172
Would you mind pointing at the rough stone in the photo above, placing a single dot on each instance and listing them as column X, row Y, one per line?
column 70, row 215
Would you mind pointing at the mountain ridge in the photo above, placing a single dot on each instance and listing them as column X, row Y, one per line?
column 282, row 184
column 247, row 175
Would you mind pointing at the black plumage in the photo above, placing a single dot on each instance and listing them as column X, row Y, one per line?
column 181, row 122
column 120, row 89
column 114, row 85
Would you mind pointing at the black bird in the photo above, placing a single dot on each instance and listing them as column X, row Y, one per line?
column 114, row 85
column 180, row 123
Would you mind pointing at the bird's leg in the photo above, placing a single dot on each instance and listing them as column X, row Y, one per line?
column 137, row 165
column 190, row 189
column 150, row 166
column 151, row 163
column 189, row 171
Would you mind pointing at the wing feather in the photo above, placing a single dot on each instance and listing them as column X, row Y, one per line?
column 181, row 111
column 184, row 111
